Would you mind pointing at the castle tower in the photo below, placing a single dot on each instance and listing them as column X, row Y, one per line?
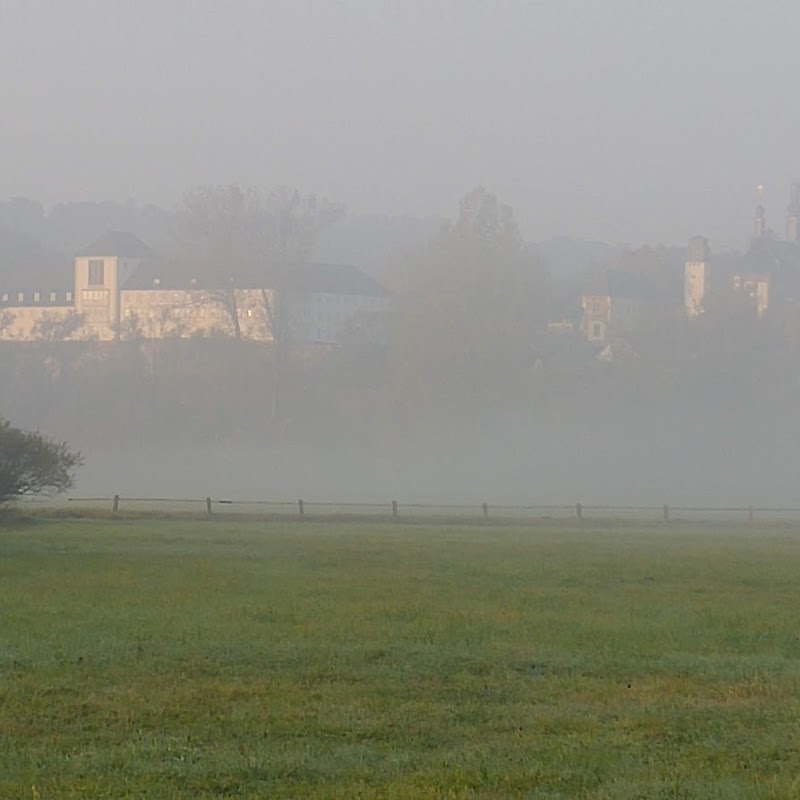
column 101, row 271
column 696, row 276
column 793, row 214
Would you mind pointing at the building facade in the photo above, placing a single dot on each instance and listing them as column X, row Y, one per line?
column 121, row 292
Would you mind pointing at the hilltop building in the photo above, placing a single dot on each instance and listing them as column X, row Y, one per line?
column 120, row 290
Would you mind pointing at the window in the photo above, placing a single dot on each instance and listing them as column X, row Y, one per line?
column 69, row 297
column 20, row 297
column 36, row 297
column 95, row 296
column 96, row 270
column 52, row 297
column 597, row 330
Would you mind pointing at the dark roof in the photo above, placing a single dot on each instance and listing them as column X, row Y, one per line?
column 118, row 243
column 37, row 281
column 304, row 278
column 160, row 275
column 332, row 279
column 771, row 256
column 157, row 274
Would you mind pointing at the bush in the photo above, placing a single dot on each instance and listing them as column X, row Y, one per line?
column 31, row 463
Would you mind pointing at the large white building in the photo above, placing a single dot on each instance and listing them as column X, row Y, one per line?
column 120, row 290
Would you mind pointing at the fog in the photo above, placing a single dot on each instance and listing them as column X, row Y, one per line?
column 623, row 121
column 645, row 461
column 606, row 135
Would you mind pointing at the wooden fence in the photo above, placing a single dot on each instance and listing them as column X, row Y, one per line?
column 479, row 512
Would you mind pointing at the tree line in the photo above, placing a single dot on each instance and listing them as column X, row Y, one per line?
column 466, row 340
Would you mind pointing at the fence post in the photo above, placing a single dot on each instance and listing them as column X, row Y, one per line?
column 579, row 511
column 115, row 507
column 750, row 514
column 300, row 509
column 665, row 513
column 485, row 508
column 394, row 508
column 208, row 506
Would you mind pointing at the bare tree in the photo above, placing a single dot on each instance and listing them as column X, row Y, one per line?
column 235, row 238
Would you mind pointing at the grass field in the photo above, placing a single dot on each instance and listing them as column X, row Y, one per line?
column 210, row 659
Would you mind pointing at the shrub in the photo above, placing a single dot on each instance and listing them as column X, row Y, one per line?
column 31, row 463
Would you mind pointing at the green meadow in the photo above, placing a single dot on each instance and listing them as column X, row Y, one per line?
column 159, row 658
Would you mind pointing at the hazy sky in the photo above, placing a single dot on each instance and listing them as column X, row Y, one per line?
column 623, row 120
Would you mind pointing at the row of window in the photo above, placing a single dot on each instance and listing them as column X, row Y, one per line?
column 19, row 297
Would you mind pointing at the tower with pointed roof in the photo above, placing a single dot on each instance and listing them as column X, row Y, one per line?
column 100, row 272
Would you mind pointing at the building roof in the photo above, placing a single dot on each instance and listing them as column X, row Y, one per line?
column 118, row 243
column 769, row 255
column 331, row 279
column 303, row 278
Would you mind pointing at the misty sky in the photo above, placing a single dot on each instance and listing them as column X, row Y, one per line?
column 621, row 120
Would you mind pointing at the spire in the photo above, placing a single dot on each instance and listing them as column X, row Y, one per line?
column 760, row 222
column 793, row 214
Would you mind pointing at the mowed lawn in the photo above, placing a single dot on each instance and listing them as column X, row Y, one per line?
column 210, row 659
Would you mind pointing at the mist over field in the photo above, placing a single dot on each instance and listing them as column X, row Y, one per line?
column 428, row 252
column 635, row 458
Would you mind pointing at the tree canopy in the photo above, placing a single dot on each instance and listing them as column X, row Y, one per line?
column 468, row 307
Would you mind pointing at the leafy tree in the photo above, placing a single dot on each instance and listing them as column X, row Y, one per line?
column 468, row 310
column 31, row 463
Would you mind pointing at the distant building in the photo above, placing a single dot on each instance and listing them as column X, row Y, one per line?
column 755, row 287
column 768, row 274
column 696, row 277
column 121, row 291
column 330, row 304
column 618, row 308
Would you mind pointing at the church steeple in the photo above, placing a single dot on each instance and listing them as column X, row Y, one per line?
column 760, row 220
column 793, row 214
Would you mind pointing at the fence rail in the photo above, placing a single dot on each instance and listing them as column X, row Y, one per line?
column 394, row 509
